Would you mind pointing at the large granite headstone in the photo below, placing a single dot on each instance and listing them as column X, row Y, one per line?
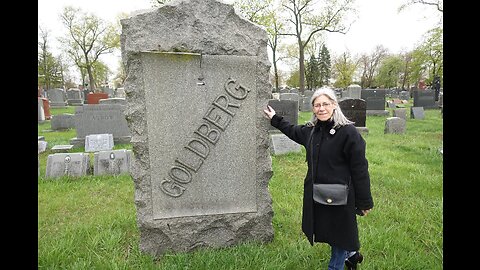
column 375, row 99
column 196, row 88
column 355, row 110
column 101, row 119
column 425, row 99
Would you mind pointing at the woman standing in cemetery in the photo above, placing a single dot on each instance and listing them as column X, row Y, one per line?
column 337, row 184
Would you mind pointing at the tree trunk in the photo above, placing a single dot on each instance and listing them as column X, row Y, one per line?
column 301, row 66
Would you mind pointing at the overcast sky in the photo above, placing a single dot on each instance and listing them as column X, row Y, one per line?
column 378, row 23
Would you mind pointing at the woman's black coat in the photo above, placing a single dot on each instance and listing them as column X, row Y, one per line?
column 338, row 158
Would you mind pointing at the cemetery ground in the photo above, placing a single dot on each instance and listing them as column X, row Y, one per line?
column 90, row 222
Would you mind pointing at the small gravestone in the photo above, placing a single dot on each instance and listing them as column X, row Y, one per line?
column 75, row 97
column 353, row 91
column 62, row 121
column 197, row 85
column 42, row 146
column 280, row 144
column 40, row 111
column 98, row 142
column 57, row 98
column 395, row 125
column 400, row 112
column 71, row 164
column 391, row 104
column 41, row 138
column 62, row 148
column 113, row 162
column 417, row 113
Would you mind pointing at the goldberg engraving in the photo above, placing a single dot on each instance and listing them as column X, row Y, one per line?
column 215, row 121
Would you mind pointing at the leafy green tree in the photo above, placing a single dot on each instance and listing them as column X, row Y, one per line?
column 438, row 4
column 369, row 65
column 88, row 38
column 263, row 12
column 432, row 48
column 389, row 72
column 308, row 18
column 325, row 66
column 312, row 73
column 50, row 70
column 343, row 69
column 293, row 81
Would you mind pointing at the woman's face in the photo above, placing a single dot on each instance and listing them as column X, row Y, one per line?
column 323, row 108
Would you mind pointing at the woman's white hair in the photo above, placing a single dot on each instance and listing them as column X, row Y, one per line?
column 338, row 117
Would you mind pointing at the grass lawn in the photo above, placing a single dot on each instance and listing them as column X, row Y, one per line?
column 90, row 222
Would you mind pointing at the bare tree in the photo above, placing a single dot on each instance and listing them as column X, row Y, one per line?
column 89, row 37
column 264, row 13
column 370, row 64
column 309, row 19
column 438, row 4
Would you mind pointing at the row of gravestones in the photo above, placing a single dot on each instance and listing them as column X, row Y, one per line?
column 106, row 160
column 281, row 144
column 113, row 162
column 105, row 117
column 375, row 99
column 76, row 97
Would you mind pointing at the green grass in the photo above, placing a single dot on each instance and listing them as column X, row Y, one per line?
column 90, row 222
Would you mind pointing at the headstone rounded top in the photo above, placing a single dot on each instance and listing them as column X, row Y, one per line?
column 207, row 27
column 354, row 86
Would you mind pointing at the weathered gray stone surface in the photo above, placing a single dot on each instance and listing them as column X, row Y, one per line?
column 115, row 100
column 196, row 88
column 112, row 162
column 400, row 112
column 100, row 119
column 71, row 164
column 57, row 98
column 280, row 144
column 98, row 142
column 62, row 121
column 62, row 148
column 42, row 146
column 395, row 125
column 417, row 113
column 41, row 112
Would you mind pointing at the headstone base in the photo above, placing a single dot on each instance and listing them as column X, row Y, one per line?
column 362, row 130
column 378, row 112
